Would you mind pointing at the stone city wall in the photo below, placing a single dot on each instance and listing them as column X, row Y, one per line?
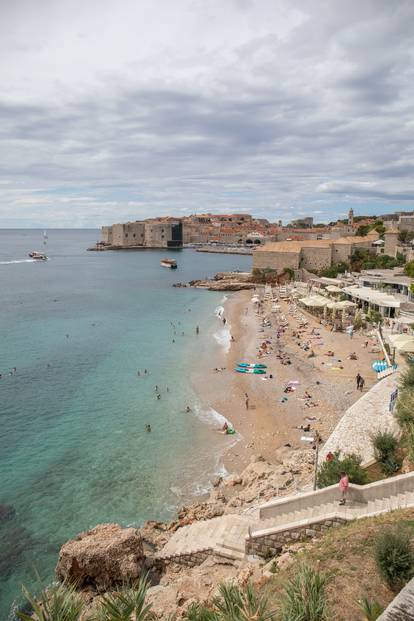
column 275, row 260
column 315, row 258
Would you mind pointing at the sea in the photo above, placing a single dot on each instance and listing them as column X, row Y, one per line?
column 81, row 329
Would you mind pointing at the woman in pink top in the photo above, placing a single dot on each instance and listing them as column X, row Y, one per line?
column 343, row 486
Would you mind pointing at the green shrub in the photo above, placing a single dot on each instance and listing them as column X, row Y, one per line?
column 233, row 604
column 375, row 317
column 385, row 446
column 126, row 604
column 371, row 609
column 304, row 597
column 409, row 269
column 330, row 471
column 410, row 442
column 289, row 272
column 394, row 557
column 264, row 276
column 334, row 270
column 405, row 408
column 407, row 378
column 54, row 603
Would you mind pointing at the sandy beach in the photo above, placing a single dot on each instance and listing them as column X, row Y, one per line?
column 269, row 424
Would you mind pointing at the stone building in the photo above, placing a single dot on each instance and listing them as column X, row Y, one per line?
column 312, row 255
column 156, row 233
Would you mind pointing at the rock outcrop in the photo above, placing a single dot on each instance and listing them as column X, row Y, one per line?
column 223, row 281
column 102, row 557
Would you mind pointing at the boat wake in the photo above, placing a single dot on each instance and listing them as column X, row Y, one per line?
column 18, row 261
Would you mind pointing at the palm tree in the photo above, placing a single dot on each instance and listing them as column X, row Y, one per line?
column 55, row 603
column 128, row 604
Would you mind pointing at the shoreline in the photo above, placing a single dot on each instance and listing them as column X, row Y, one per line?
column 269, row 424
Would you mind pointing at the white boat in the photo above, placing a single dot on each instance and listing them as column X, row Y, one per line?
column 39, row 256
column 171, row 263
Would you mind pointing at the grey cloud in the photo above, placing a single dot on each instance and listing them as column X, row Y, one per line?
column 323, row 114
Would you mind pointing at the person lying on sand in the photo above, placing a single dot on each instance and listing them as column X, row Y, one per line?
column 353, row 356
column 330, row 353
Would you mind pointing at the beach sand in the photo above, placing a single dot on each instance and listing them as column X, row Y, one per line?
column 268, row 424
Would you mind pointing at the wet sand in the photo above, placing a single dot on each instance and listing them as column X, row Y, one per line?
column 268, row 423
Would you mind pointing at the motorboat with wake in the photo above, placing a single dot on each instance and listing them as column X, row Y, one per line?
column 38, row 256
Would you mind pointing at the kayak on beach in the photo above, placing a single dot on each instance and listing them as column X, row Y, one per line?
column 252, row 365
column 247, row 370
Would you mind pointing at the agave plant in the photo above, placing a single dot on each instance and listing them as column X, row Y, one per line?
column 304, row 598
column 370, row 609
column 198, row 612
column 55, row 603
column 233, row 604
column 127, row 604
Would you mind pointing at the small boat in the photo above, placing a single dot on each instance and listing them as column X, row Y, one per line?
column 246, row 370
column 39, row 256
column 252, row 365
column 171, row 263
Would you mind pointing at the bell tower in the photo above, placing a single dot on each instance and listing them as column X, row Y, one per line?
column 351, row 217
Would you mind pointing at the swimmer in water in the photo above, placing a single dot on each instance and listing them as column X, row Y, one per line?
column 148, row 428
column 188, row 409
column 158, row 396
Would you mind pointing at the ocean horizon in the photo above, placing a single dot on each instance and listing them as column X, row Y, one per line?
column 74, row 451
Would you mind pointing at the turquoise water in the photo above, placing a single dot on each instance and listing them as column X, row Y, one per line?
column 73, row 446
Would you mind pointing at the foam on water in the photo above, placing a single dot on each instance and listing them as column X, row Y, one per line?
column 18, row 261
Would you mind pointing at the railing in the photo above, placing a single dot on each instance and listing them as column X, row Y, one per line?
column 358, row 493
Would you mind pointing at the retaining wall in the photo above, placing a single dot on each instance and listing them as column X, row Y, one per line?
column 271, row 540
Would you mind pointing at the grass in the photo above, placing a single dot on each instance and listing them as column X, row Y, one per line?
column 347, row 556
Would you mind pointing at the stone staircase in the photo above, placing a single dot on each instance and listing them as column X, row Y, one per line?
column 277, row 522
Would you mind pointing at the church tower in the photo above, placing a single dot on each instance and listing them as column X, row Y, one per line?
column 351, row 217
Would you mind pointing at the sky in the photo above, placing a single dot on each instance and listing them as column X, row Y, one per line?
column 116, row 110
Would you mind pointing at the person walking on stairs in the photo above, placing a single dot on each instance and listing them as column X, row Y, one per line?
column 343, row 487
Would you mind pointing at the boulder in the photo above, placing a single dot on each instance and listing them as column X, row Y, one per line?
column 103, row 557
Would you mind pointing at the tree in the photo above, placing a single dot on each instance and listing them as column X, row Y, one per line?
column 405, row 236
column 334, row 270
column 362, row 230
column 409, row 269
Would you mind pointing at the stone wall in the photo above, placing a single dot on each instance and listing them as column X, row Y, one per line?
column 276, row 260
column 315, row 258
column 266, row 542
column 193, row 559
column 341, row 253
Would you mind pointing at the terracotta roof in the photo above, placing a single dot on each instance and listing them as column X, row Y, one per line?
column 294, row 246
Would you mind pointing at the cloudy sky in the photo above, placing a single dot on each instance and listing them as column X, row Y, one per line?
column 121, row 109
